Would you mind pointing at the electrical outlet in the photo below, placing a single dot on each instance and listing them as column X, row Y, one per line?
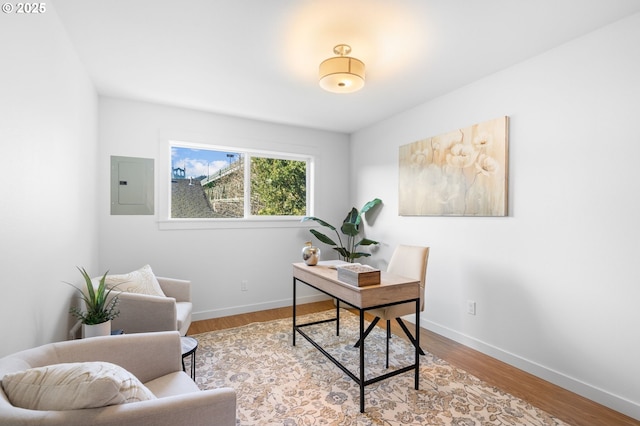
column 243, row 285
column 471, row 307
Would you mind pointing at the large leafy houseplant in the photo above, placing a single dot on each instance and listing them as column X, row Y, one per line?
column 350, row 229
column 99, row 307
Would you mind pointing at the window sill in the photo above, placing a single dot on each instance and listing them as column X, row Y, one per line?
column 185, row 224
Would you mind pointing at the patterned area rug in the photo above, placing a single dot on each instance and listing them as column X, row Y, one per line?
column 281, row 384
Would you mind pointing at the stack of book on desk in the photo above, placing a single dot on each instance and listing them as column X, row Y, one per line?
column 358, row 275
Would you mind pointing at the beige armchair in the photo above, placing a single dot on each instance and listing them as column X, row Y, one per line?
column 142, row 313
column 153, row 358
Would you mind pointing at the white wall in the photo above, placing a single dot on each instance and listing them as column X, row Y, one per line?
column 556, row 283
column 215, row 260
column 48, row 225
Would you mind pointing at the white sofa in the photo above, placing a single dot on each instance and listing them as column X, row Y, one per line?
column 153, row 358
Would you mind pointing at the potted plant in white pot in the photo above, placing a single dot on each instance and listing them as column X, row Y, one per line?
column 99, row 310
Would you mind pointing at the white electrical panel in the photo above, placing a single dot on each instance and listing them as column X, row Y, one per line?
column 131, row 186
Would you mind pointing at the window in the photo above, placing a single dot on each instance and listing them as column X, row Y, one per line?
column 217, row 183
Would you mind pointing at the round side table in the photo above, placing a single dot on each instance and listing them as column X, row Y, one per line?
column 189, row 346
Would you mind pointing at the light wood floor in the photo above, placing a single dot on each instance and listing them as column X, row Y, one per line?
column 565, row 405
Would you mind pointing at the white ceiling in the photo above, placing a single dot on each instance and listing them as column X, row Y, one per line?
column 259, row 58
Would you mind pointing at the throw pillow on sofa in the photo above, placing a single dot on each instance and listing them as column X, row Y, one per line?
column 72, row 386
column 141, row 281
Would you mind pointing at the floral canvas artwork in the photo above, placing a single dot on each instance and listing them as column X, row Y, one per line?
column 460, row 173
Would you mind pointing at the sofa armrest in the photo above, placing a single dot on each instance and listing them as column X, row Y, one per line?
column 178, row 289
column 142, row 313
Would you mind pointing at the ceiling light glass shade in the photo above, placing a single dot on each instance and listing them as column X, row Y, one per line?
column 342, row 74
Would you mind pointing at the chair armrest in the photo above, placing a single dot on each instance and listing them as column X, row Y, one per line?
column 178, row 289
column 142, row 313
column 215, row 406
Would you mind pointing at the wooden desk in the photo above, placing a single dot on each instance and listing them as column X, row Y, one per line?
column 392, row 290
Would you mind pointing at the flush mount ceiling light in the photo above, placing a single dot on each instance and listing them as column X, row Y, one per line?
column 342, row 74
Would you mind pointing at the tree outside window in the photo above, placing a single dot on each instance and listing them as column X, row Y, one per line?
column 209, row 183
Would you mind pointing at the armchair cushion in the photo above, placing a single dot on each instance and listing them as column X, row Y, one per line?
column 142, row 281
column 71, row 386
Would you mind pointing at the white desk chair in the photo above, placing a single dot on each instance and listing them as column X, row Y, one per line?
column 410, row 262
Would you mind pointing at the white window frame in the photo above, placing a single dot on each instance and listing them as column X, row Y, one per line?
column 166, row 222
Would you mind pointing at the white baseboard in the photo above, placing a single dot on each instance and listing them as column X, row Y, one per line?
column 593, row 393
column 243, row 309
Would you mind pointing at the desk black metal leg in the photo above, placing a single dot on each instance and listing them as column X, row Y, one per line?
column 360, row 379
column 361, row 361
column 337, row 317
column 294, row 312
column 417, row 345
